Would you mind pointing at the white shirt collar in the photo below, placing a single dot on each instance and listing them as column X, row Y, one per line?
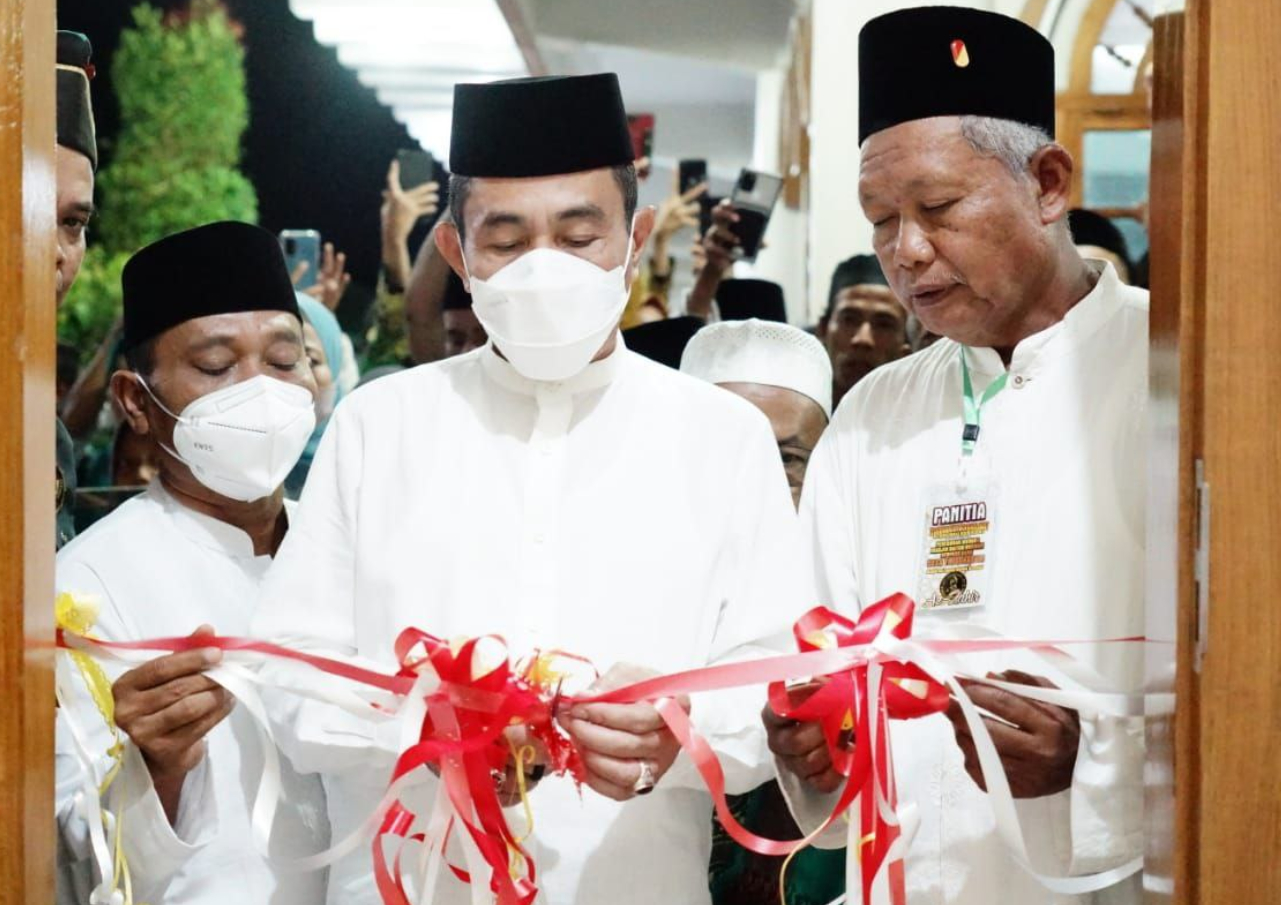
column 1076, row 328
column 596, row 375
column 206, row 530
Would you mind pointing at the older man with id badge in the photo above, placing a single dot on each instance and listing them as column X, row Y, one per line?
column 998, row 476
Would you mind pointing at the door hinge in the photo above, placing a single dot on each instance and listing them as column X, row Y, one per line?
column 1201, row 566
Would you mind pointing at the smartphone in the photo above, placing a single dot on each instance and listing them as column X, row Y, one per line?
column 301, row 245
column 706, row 203
column 754, row 197
column 641, row 126
column 692, row 172
column 416, row 168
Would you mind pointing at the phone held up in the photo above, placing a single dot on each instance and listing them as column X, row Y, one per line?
column 416, row 168
column 691, row 172
column 754, row 197
column 302, row 246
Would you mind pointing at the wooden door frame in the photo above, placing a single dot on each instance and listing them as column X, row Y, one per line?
column 1173, row 787
column 1216, row 330
column 27, row 475
column 1231, row 280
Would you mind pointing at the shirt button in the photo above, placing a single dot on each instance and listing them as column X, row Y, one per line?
column 1019, row 380
column 539, row 537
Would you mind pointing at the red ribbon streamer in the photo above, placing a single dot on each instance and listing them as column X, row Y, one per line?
column 462, row 736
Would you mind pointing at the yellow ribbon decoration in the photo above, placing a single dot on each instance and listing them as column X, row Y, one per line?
column 77, row 615
column 523, row 756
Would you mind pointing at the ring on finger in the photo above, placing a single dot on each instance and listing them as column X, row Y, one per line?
column 645, row 782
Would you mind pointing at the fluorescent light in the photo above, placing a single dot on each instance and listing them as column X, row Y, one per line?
column 419, row 98
column 373, row 56
column 413, row 52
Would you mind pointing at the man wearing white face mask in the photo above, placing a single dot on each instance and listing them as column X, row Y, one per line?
column 220, row 381
column 506, row 490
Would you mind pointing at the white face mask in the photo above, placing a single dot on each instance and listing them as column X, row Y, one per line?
column 549, row 312
column 241, row 441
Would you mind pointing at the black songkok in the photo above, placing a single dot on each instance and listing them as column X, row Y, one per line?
column 860, row 270
column 740, row 300
column 663, row 341
column 952, row 61
column 539, row 127
column 1091, row 228
column 75, row 110
column 221, row 268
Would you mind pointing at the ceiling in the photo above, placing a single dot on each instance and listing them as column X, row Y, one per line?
column 686, row 61
column 749, row 34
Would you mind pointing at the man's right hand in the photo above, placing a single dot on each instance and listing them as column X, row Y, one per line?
column 402, row 208
column 678, row 211
column 167, row 706
column 721, row 244
column 802, row 749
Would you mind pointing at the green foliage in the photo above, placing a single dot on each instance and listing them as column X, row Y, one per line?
column 183, row 111
column 94, row 302
column 180, row 80
column 162, row 200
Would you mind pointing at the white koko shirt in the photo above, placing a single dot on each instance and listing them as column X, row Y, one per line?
column 630, row 514
column 1065, row 443
column 160, row 569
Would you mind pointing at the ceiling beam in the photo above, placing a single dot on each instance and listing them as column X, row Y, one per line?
column 514, row 12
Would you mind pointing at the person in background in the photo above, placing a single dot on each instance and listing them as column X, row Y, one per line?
column 397, row 334
column 187, row 555
column 864, row 325
column 507, row 489
column 75, row 161
column 746, row 298
column 663, row 341
column 714, row 255
column 650, row 296
column 135, row 461
column 402, row 210
column 973, row 475
column 322, row 339
column 68, row 369
column 781, row 370
column 332, row 280
column 82, row 409
column 331, row 285
column 463, row 332
column 785, row 373
column 1095, row 236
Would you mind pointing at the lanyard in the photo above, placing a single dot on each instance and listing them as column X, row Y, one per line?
column 974, row 407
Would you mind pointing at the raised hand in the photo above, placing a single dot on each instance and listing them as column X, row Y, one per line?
column 332, row 280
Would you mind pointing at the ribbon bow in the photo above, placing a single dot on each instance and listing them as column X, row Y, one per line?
column 854, row 708
column 470, row 694
column 457, row 701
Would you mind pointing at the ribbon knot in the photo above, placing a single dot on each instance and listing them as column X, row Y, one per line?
column 854, row 708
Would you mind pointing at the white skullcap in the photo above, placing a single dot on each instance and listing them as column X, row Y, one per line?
column 766, row 352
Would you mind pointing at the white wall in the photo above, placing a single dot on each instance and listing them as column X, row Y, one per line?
column 783, row 260
column 837, row 228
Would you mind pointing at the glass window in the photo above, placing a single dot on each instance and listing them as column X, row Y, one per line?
column 1116, row 167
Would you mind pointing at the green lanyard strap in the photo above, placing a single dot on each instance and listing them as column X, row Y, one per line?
column 974, row 407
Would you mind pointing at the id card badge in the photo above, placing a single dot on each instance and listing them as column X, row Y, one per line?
column 957, row 532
